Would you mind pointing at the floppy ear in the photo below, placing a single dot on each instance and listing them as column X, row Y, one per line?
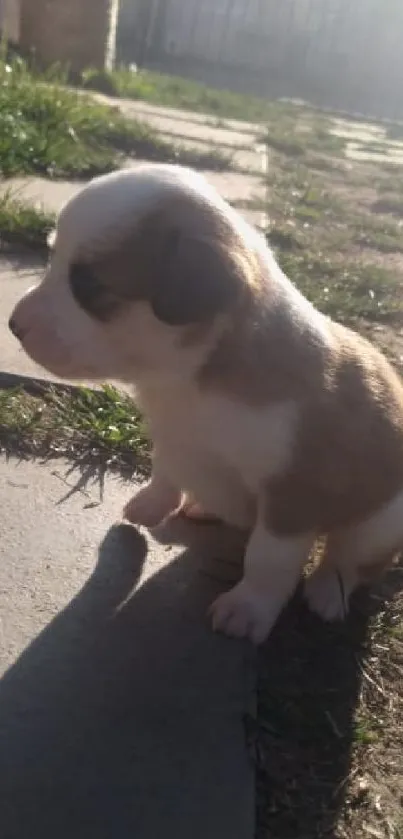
column 197, row 279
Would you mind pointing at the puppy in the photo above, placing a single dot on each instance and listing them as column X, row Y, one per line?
column 264, row 412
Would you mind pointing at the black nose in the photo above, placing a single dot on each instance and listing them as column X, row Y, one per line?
column 15, row 329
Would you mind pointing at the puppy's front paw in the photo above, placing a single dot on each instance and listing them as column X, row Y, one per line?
column 148, row 508
column 327, row 594
column 243, row 613
column 191, row 509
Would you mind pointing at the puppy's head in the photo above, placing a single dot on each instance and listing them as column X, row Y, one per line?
column 144, row 265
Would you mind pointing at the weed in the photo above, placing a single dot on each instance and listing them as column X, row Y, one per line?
column 24, row 224
column 100, row 426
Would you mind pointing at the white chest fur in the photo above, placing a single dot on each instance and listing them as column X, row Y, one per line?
column 220, row 450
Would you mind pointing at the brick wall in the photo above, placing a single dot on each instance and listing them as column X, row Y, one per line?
column 78, row 33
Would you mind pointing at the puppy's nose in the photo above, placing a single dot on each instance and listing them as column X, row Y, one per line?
column 15, row 329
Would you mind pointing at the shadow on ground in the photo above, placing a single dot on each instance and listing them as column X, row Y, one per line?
column 91, row 713
column 310, row 680
column 123, row 707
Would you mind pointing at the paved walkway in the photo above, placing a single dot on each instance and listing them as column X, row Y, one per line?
column 236, row 187
column 194, row 130
column 121, row 713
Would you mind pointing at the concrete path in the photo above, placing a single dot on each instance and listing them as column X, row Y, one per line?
column 121, row 713
column 236, row 187
column 195, row 130
column 139, row 109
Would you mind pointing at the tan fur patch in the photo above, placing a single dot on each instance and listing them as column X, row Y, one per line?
column 348, row 458
column 348, row 453
column 262, row 355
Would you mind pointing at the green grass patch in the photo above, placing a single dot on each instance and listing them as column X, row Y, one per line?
column 22, row 224
column 321, row 139
column 381, row 235
column 286, row 135
column 286, row 145
column 317, row 230
column 325, row 164
column 95, row 426
column 345, row 291
column 176, row 92
column 285, row 238
column 50, row 130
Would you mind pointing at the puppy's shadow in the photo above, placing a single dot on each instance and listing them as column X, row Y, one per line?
column 90, row 712
column 311, row 677
column 220, row 548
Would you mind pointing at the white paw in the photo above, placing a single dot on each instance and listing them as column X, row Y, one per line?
column 242, row 613
column 146, row 508
column 327, row 593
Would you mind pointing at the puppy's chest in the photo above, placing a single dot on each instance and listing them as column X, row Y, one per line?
column 225, row 441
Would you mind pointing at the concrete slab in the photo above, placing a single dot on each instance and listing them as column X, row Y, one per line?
column 121, row 713
column 233, row 186
column 197, row 132
column 242, row 160
column 43, row 193
column 186, row 129
column 140, row 109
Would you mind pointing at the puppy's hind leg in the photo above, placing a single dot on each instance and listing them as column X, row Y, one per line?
column 355, row 556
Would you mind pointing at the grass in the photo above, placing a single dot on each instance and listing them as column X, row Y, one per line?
column 345, row 291
column 285, row 136
column 48, row 129
column 176, row 92
column 23, row 224
column 101, row 427
column 384, row 236
column 322, row 230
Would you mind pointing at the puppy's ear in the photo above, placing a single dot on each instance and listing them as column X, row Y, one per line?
column 197, row 279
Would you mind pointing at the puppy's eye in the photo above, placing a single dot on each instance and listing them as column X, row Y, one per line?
column 83, row 284
column 89, row 292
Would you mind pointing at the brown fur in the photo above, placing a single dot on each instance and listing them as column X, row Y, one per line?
column 348, row 453
column 348, row 458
